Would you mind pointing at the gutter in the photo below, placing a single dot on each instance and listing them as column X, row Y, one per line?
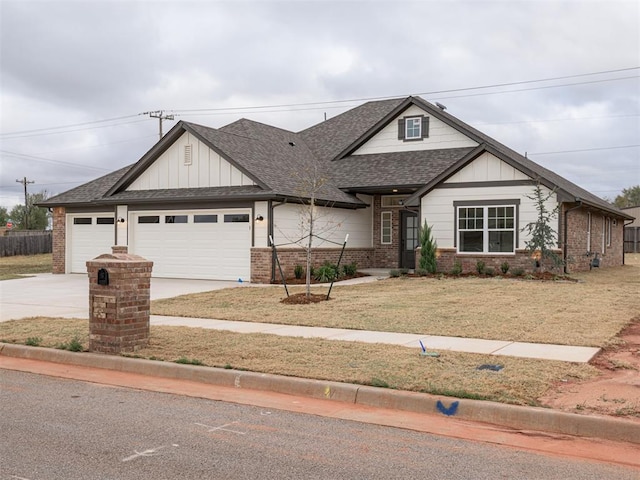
column 566, row 233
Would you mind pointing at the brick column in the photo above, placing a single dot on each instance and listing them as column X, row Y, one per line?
column 59, row 239
column 119, row 310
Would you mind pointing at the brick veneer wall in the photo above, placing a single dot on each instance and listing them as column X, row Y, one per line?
column 578, row 256
column 386, row 256
column 446, row 258
column 59, row 239
column 261, row 260
column 119, row 312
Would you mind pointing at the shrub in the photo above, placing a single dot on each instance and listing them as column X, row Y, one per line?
column 73, row 346
column 428, row 247
column 518, row 272
column 33, row 341
column 457, row 268
column 325, row 273
column 504, row 267
column 350, row 269
column 480, row 267
column 404, row 271
column 421, row 272
column 298, row 271
column 394, row 273
column 490, row 272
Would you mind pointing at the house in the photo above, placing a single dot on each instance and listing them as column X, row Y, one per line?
column 632, row 230
column 204, row 202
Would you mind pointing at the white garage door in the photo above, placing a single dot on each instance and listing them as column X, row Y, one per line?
column 89, row 235
column 205, row 244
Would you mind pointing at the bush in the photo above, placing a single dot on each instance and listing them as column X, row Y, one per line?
column 518, row 272
column 457, row 268
column 504, row 267
column 326, row 273
column 394, row 273
column 480, row 267
column 428, row 247
column 404, row 271
column 490, row 272
column 298, row 271
column 350, row 269
column 421, row 272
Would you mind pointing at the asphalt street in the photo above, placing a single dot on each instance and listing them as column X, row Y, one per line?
column 65, row 429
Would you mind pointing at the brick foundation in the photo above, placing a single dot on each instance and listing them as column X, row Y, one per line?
column 119, row 312
column 261, row 260
column 447, row 257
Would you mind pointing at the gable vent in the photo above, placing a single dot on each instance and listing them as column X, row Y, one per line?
column 187, row 154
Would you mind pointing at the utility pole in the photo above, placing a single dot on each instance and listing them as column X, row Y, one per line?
column 24, row 183
column 160, row 115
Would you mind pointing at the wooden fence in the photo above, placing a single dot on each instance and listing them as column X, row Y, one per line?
column 29, row 243
column 631, row 239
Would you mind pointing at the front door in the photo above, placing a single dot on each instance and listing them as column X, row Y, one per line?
column 408, row 239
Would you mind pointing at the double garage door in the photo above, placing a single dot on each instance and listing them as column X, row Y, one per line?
column 201, row 244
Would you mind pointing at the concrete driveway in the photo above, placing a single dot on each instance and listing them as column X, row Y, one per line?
column 68, row 295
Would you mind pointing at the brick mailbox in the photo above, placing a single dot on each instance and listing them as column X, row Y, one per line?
column 119, row 302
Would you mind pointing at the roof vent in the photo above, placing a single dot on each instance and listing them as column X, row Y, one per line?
column 440, row 106
column 187, row 154
column 292, row 144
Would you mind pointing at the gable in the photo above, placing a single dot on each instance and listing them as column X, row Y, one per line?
column 174, row 169
column 439, row 136
column 487, row 168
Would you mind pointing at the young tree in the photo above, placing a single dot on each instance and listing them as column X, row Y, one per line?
column 543, row 237
column 4, row 216
column 630, row 197
column 428, row 247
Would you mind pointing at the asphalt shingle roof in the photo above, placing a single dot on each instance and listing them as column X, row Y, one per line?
column 282, row 162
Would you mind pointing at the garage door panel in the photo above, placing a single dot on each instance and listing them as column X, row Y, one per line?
column 207, row 250
column 90, row 235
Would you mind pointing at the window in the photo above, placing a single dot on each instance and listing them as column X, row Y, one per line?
column 237, row 218
column 105, row 220
column 82, row 221
column 385, row 228
column 175, row 219
column 608, row 232
column 486, row 229
column 393, row 200
column 205, row 219
column 149, row 219
column 413, row 128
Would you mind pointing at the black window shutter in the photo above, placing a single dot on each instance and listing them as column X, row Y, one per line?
column 401, row 123
column 425, row 127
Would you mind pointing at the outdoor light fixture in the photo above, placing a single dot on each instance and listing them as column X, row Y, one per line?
column 120, row 220
column 259, row 218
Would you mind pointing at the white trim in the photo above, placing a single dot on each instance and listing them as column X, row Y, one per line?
column 406, row 128
column 485, row 229
column 588, row 231
column 388, row 214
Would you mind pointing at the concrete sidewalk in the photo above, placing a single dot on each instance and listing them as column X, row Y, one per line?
column 68, row 296
column 563, row 353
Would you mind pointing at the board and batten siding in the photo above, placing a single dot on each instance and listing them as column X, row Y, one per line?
column 207, row 169
column 437, row 206
column 441, row 136
column 332, row 224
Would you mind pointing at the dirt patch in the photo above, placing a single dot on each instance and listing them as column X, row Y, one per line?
column 303, row 299
column 616, row 391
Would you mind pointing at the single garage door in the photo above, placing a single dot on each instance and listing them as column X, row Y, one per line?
column 204, row 244
column 89, row 235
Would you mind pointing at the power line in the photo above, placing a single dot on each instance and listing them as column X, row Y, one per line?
column 10, row 137
column 60, row 162
column 586, row 150
column 72, row 125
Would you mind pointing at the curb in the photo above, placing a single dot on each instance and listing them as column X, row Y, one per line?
column 511, row 416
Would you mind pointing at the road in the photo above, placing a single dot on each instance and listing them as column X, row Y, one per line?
column 54, row 428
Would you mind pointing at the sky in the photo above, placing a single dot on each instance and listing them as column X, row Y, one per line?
column 559, row 80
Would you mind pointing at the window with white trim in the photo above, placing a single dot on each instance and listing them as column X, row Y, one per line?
column 604, row 232
column 385, row 228
column 486, row 229
column 413, row 128
column 608, row 232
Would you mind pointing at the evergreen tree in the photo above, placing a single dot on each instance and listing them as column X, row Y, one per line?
column 428, row 247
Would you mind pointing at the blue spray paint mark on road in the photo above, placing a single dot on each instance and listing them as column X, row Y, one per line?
column 452, row 410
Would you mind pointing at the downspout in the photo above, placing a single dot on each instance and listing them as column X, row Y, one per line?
column 566, row 233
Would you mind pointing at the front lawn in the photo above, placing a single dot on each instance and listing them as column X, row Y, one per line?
column 590, row 312
column 23, row 265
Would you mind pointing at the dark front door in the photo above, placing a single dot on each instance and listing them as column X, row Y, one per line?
column 408, row 239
